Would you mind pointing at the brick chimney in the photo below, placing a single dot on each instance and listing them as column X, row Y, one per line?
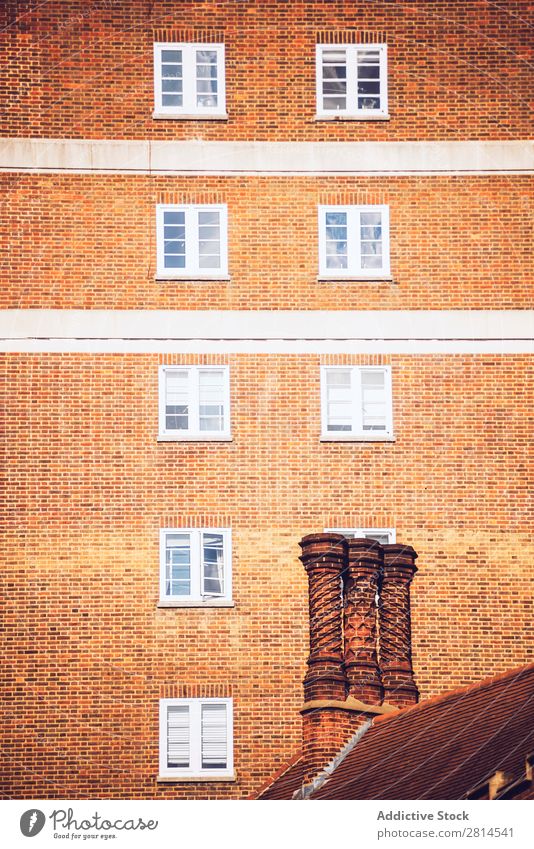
column 348, row 681
column 361, row 580
column 394, row 623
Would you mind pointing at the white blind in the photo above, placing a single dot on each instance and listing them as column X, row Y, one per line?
column 373, row 400
column 214, row 736
column 339, row 399
column 178, row 736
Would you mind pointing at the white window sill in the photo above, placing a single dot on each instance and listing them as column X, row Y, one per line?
column 353, row 278
column 356, row 437
column 336, row 117
column 194, row 437
column 191, row 778
column 179, row 116
column 212, row 602
column 192, row 277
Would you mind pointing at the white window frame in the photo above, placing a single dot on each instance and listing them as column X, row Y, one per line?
column 354, row 270
column 193, row 433
column 195, row 769
column 189, row 108
column 357, row 434
column 365, row 533
column 197, row 597
column 352, row 112
column 192, row 270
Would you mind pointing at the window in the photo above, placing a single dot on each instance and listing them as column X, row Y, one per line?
column 196, row 738
column 195, row 566
column 381, row 535
column 189, row 81
column 194, row 403
column 356, row 403
column 192, row 241
column 354, row 242
column 352, row 81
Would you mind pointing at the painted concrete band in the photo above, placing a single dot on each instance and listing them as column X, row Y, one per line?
column 254, row 346
column 292, row 158
column 411, row 331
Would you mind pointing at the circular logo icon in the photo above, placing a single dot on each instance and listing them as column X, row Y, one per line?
column 31, row 822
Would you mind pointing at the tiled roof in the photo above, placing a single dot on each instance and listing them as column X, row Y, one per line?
column 442, row 748
column 439, row 749
column 287, row 782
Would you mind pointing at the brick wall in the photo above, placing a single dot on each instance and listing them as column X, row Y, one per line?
column 89, row 242
column 88, row 654
column 84, row 70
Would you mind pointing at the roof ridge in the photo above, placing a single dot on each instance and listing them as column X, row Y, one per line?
column 443, row 697
column 282, row 771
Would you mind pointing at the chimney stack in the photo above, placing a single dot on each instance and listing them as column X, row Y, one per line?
column 364, row 564
column 360, row 652
column 394, row 623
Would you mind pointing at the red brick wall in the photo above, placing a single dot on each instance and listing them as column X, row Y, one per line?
column 87, row 653
column 90, row 242
column 457, row 69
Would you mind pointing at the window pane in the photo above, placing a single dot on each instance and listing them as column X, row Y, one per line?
column 334, row 82
column 174, row 217
column 206, row 78
column 368, row 103
column 211, row 397
column 336, row 218
column 213, row 565
column 372, row 262
column 171, row 85
column 210, row 261
column 178, row 565
column 178, row 736
column 174, row 251
column 208, row 216
column 368, row 87
column 206, row 86
column 373, row 400
column 177, row 400
column 214, row 736
column 171, row 99
column 174, row 261
column 339, row 400
column 171, row 56
column 208, row 57
column 383, row 539
column 171, row 71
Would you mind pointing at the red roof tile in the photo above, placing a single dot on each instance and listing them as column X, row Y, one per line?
column 289, row 780
column 442, row 748
column 439, row 749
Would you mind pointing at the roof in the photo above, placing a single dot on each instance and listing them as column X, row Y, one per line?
column 439, row 749
column 289, row 780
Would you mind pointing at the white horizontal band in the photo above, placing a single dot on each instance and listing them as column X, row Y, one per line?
column 248, row 346
column 291, row 158
column 265, row 331
column 267, row 324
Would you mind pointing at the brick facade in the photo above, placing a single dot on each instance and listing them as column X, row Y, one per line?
column 457, row 70
column 89, row 487
column 88, row 653
column 456, row 243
